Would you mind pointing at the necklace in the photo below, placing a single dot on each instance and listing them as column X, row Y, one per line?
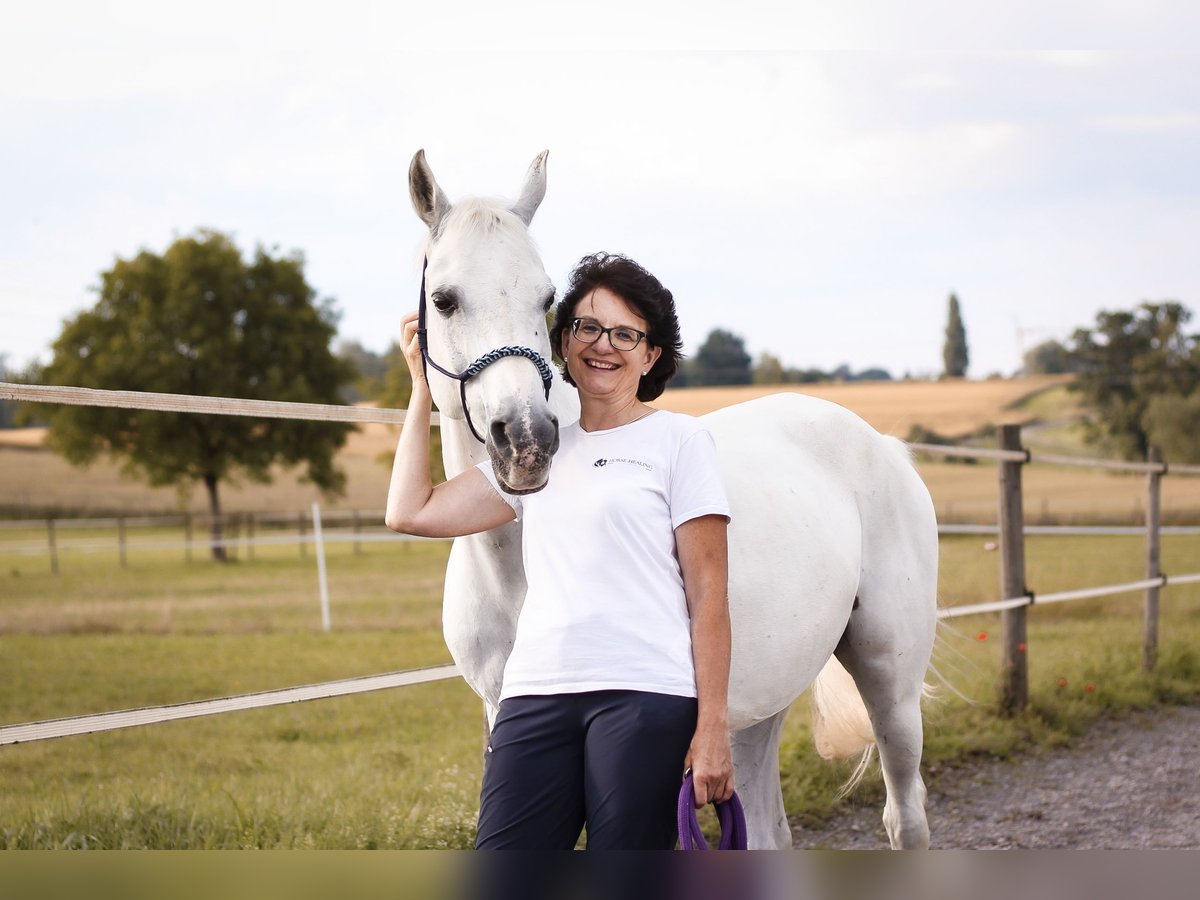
column 642, row 416
column 623, row 424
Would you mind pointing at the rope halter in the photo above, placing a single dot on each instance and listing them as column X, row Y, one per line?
column 480, row 364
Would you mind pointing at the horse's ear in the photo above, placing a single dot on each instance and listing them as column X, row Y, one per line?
column 427, row 198
column 533, row 190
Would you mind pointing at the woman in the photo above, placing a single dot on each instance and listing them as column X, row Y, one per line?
column 617, row 681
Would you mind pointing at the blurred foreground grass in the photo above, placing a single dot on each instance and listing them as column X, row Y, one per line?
column 401, row 768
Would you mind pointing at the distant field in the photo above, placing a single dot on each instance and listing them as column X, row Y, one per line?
column 893, row 407
column 33, row 480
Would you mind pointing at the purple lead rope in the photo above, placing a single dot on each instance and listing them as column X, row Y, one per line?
column 730, row 815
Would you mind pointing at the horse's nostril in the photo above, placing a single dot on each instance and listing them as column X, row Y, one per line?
column 500, row 433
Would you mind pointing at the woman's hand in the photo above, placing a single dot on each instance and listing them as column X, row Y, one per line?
column 704, row 559
column 711, row 761
column 412, row 351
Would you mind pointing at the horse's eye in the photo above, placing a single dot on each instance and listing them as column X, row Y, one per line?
column 446, row 304
column 548, row 302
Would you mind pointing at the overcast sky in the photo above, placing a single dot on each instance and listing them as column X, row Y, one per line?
column 821, row 203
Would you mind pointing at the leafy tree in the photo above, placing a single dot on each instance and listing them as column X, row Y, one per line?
column 768, row 370
column 874, row 374
column 199, row 319
column 954, row 351
column 370, row 367
column 1130, row 363
column 1173, row 425
column 721, row 359
column 8, row 408
column 804, row 376
column 1047, row 358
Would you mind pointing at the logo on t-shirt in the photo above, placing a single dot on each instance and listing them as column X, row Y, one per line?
column 602, row 462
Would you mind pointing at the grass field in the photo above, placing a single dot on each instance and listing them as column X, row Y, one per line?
column 401, row 768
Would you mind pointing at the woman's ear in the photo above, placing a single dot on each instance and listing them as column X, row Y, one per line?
column 652, row 357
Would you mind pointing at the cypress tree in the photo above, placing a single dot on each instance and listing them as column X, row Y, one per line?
column 954, row 351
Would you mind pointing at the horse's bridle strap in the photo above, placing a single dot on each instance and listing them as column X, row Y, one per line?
column 480, row 364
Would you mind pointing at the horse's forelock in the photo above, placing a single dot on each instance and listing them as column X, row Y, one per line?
column 476, row 216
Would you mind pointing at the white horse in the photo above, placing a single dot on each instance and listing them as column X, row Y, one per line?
column 832, row 543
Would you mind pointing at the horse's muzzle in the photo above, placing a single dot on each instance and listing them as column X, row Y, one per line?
column 521, row 449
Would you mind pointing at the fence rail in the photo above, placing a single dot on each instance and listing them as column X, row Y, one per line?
column 128, row 718
column 1010, row 457
column 191, row 403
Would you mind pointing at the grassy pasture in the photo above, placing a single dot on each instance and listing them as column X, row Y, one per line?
column 401, row 768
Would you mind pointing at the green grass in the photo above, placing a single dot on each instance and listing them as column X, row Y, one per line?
column 401, row 768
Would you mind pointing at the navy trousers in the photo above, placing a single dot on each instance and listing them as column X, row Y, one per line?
column 610, row 760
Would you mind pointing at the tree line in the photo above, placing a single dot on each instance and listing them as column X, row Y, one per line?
column 202, row 318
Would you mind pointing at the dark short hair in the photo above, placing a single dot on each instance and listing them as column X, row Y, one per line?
column 640, row 290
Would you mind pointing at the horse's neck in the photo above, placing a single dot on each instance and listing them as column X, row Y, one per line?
column 485, row 581
column 460, row 450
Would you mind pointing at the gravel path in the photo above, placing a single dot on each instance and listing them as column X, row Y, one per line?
column 1129, row 783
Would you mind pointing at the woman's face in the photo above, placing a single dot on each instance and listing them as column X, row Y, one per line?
column 599, row 369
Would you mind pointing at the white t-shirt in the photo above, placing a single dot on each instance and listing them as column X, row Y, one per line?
column 605, row 607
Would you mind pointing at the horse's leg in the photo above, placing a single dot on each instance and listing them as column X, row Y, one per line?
column 756, row 773
column 886, row 648
column 893, row 701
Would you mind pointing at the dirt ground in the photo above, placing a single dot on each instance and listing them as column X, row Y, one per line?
column 1129, row 784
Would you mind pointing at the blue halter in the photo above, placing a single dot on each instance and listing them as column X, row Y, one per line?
column 480, row 364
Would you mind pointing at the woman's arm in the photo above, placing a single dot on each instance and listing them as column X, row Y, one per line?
column 704, row 560
column 463, row 505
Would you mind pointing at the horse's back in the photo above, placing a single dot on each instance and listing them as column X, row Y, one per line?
column 804, row 477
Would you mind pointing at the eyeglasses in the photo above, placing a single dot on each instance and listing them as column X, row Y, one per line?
column 622, row 337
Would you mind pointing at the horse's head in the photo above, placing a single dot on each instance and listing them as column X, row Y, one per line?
column 486, row 289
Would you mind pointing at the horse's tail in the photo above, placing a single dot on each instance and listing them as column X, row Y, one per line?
column 841, row 726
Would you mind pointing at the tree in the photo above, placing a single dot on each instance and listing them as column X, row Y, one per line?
column 199, row 319
column 1173, row 425
column 1130, row 362
column 954, row 351
column 768, row 370
column 370, row 369
column 1047, row 358
column 721, row 359
column 8, row 408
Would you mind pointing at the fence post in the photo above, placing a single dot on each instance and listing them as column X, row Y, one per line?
column 121, row 540
column 53, row 546
column 187, row 537
column 233, row 535
column 1014, row 675
column 250, row 536
column 322, row 580
column 1153, row 560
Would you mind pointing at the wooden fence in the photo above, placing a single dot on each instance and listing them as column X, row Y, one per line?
column 1017, row 597
column 1011, row 456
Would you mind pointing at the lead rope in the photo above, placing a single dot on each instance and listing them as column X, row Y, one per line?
column 730, row 814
